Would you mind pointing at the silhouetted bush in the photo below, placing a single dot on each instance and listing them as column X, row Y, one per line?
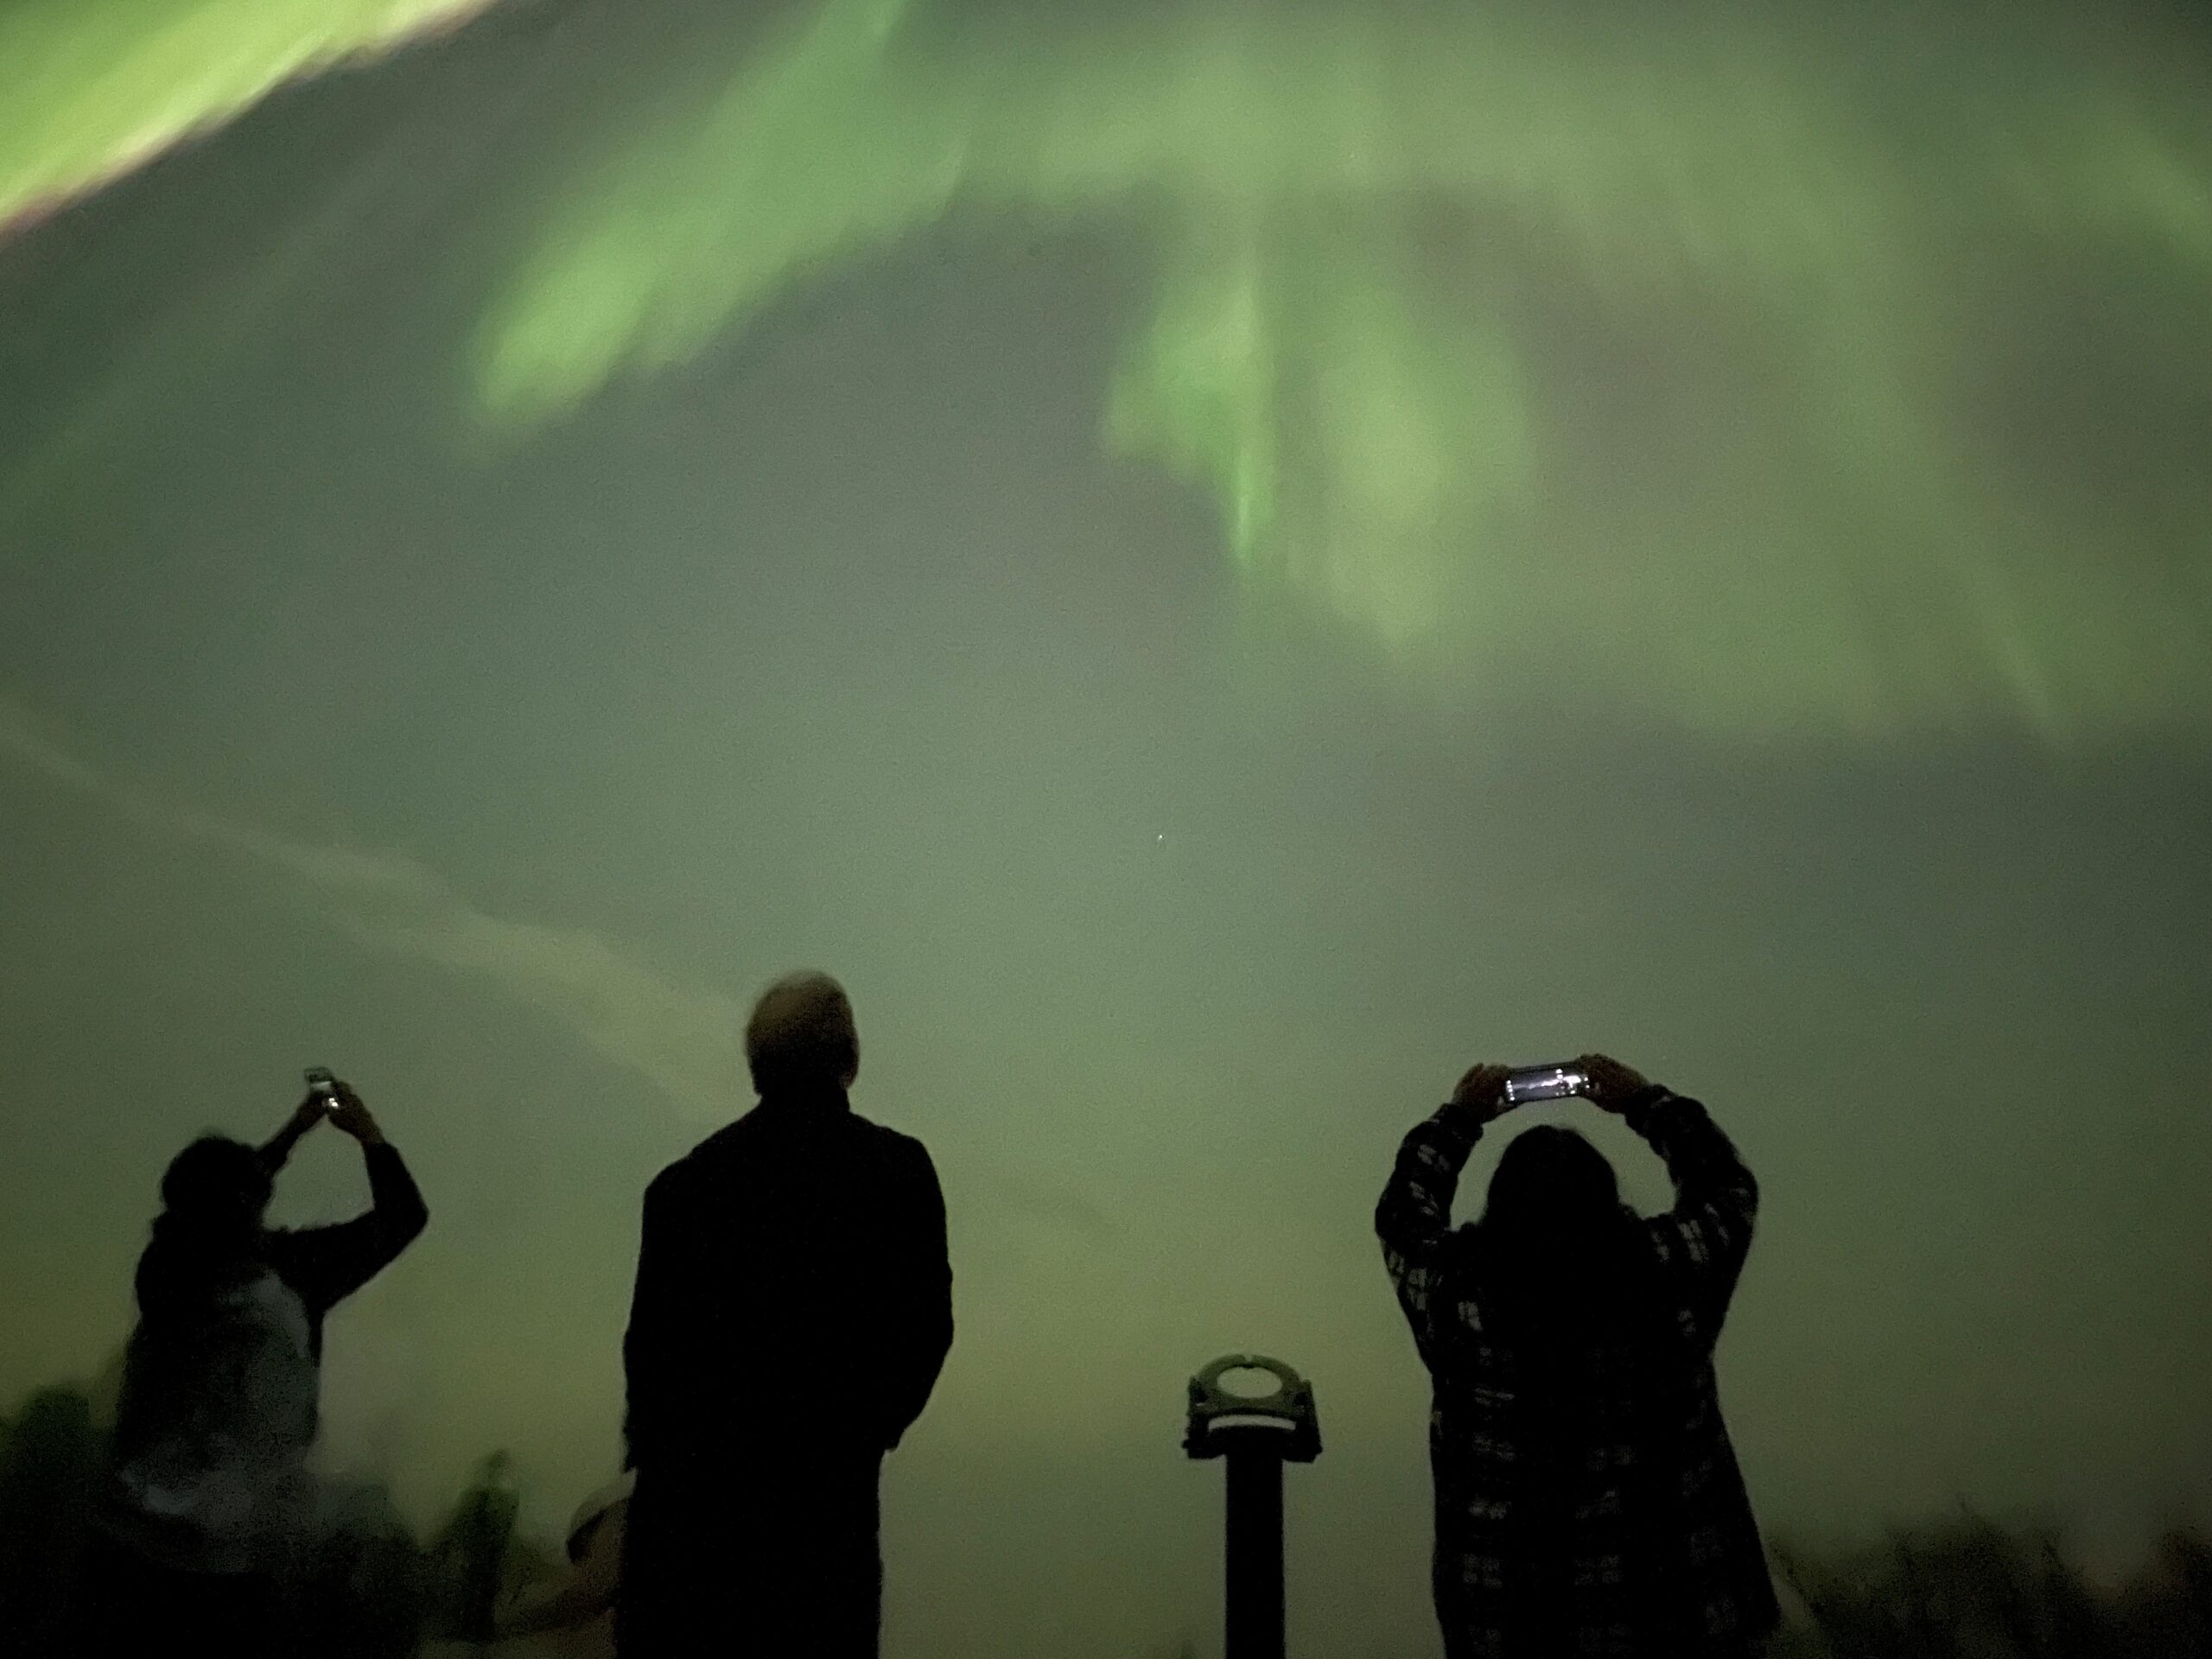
column 1965, row 1589
column 1959, row 1588
column 469, row 1557
column 48, row 1462
column 363, row 1586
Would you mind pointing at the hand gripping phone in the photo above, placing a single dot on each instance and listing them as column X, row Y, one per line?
column 1527, row 1083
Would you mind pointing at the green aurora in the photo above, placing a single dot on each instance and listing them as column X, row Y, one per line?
column 91, row 87
column 1369, row 227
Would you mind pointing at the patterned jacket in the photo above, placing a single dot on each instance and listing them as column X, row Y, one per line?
column 1629, row 1532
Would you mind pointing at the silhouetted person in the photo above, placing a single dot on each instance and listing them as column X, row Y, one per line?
column 207, row 1489
column 793, row 1306
column 1587, row 1499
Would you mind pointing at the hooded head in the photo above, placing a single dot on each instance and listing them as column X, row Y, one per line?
column 1559, row 1256
column 213, row 1197
column 1550, row 1184
column 217, row 1186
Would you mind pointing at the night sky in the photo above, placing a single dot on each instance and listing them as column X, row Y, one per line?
column 1217, row 563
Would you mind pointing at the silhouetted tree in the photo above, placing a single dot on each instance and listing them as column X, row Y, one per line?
column 47, row 1469
column 2187, row 1558
column 1961, row 1588
column 361, row 1589
column 469, row 1555
column 1966, row 1589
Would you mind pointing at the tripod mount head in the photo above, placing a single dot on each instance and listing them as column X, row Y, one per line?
column 1222, row 1420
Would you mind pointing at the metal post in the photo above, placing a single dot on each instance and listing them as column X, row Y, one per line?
column 1256, row 1435
column 1253, row 1590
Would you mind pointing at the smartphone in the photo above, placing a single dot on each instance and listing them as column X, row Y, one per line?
column 1527, row 1083
column 322, row 1083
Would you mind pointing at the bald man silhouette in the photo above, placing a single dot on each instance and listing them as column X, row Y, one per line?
column 793, row 1307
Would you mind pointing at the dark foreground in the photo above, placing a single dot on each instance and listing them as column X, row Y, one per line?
column 1955, row 1588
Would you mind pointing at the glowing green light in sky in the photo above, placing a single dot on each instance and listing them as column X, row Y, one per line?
column 1367, row 415
column 89, row 88
column 1380, row 232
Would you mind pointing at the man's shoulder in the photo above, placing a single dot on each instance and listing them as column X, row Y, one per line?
column 686, row 1170
column 883, row 1135
column 734, row 1143
column 896, row 1149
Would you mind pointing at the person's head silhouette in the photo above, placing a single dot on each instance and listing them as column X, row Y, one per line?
column 800, row 1038
column 1556, row 1245
column 1551, row 1184
column 217, row 1188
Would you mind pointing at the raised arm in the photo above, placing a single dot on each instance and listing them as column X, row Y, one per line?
column 918, row 1309
column 1702, row 1241
column 276, row 1151
column 326, row 1265
column 1414, row 1216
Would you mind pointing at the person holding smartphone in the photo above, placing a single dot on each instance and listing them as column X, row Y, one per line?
column 1587, row 1496
column 206, row 1485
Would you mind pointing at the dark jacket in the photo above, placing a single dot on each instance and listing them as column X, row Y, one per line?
column 793, row 1291
column 325, row 1265
column 1619, row 1526
column 322, row 1265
